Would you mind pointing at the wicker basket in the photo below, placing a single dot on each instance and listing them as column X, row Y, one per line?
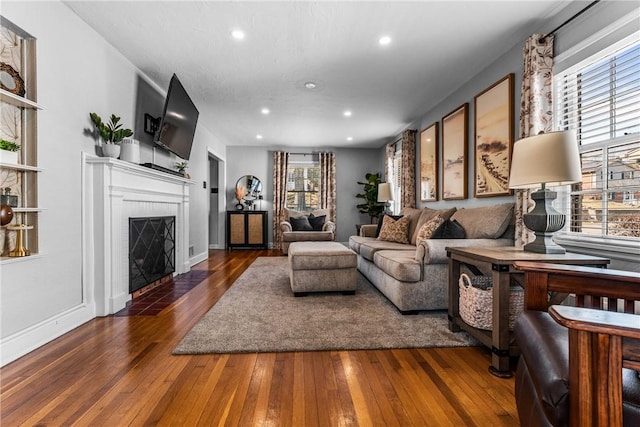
column 476, row 301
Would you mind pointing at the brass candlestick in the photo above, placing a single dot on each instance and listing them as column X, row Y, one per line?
column 20, row 250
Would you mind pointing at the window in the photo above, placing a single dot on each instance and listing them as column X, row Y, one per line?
column 303, row 185
column 600, row 97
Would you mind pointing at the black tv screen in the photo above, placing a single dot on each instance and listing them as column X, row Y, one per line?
column 179, row 119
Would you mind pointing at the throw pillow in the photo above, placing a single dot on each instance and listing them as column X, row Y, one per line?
column 300, row 224
column 381, row 220
column 426, row 215
column 428, row 228
column 488, row 222
column 317, row 222
column 394, row 230
column 449, row 230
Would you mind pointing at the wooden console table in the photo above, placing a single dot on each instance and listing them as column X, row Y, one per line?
column 499, row 261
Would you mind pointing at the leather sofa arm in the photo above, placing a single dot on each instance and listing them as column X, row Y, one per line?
column 285, row 226
column 368, row 230
column 597, row 354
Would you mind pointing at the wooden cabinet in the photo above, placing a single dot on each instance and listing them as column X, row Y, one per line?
column 247, row 229
column 19, row 107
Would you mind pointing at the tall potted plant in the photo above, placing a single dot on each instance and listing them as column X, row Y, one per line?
column 112, row 134
column 371, row 206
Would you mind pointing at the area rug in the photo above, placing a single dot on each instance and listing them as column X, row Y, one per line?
column 260, row 314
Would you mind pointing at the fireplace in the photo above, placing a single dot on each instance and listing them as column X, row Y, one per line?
column 114, row 192
column 151, row 250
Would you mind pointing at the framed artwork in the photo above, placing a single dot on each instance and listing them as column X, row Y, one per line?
column 493, row 124
column 429, row 163
column 455, row 130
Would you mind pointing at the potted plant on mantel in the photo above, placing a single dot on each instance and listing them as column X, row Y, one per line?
column 371, row 205
column 111, row 133
column 8, row 151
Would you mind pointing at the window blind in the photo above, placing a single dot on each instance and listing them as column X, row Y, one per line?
column 600, row 98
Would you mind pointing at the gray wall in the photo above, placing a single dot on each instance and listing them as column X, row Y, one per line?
column 351, row 166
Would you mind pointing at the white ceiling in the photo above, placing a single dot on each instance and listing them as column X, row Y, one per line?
column 436, row 47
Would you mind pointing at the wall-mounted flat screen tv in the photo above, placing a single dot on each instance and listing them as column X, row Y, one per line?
column 179, row 118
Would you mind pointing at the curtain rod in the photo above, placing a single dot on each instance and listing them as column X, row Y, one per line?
column 552, row 32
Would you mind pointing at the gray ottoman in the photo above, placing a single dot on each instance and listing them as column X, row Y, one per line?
column 322, row 267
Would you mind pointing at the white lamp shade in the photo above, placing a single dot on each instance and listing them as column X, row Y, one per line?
column 550, row 158
column 384, row 192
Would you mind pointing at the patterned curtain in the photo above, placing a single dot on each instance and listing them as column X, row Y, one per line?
column 536, row 112
column 280, row 161
column 408, row 178
column 328, row 184
column 390, row 152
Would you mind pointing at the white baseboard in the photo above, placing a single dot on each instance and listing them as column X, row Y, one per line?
column 198, row 258
column 17, row 345
column 216, row 246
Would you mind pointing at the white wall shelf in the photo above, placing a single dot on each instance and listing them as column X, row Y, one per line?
column 28, row 210
column 18, row 101
column 20, row 167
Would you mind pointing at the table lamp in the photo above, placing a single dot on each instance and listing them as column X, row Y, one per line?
column 545, row 159
column 385, row 195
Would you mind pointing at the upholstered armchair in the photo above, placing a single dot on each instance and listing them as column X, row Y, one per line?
column 306, row 227
column 580, row 363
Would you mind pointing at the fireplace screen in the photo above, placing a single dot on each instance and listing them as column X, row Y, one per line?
column 151, row 250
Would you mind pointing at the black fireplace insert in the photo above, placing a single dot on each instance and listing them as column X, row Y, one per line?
column 151, row 250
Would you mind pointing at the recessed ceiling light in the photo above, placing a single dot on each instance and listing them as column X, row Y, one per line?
column 237, row 34
column 347, row 113
column 265, row 111
column 258, row 136
column 384, row 40
column 349, row 138
column 310, row 85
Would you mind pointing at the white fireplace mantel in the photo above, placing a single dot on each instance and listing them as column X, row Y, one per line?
column 114, row 191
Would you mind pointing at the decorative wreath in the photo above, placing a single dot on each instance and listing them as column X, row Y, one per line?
column 19, row 83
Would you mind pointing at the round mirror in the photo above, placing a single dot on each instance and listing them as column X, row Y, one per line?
column 248, row 187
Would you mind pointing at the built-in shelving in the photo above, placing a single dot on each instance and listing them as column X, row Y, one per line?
column 18, row 101
column 19, row 123
column 20, row 167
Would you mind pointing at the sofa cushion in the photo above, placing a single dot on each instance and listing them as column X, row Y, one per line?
column 414, row 217
column 427, row 214
column 401, row 265
column 381, row 221
column 317, row 221
column 307, row 236
column 394, row 230
column 370, row 247
column 428, row 228
column 488, row 222
column 449, row 230
column 356, row 241
column 300, row 224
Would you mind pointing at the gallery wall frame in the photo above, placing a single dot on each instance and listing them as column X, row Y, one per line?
column 429, row 163
column 493, row 138
column 455, row 136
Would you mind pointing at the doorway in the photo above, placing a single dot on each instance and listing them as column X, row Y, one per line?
column 216, row 203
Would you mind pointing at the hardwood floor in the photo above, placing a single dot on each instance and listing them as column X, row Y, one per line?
column 117, row 371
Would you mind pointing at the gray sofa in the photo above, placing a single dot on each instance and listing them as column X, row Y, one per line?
column 414, row 275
